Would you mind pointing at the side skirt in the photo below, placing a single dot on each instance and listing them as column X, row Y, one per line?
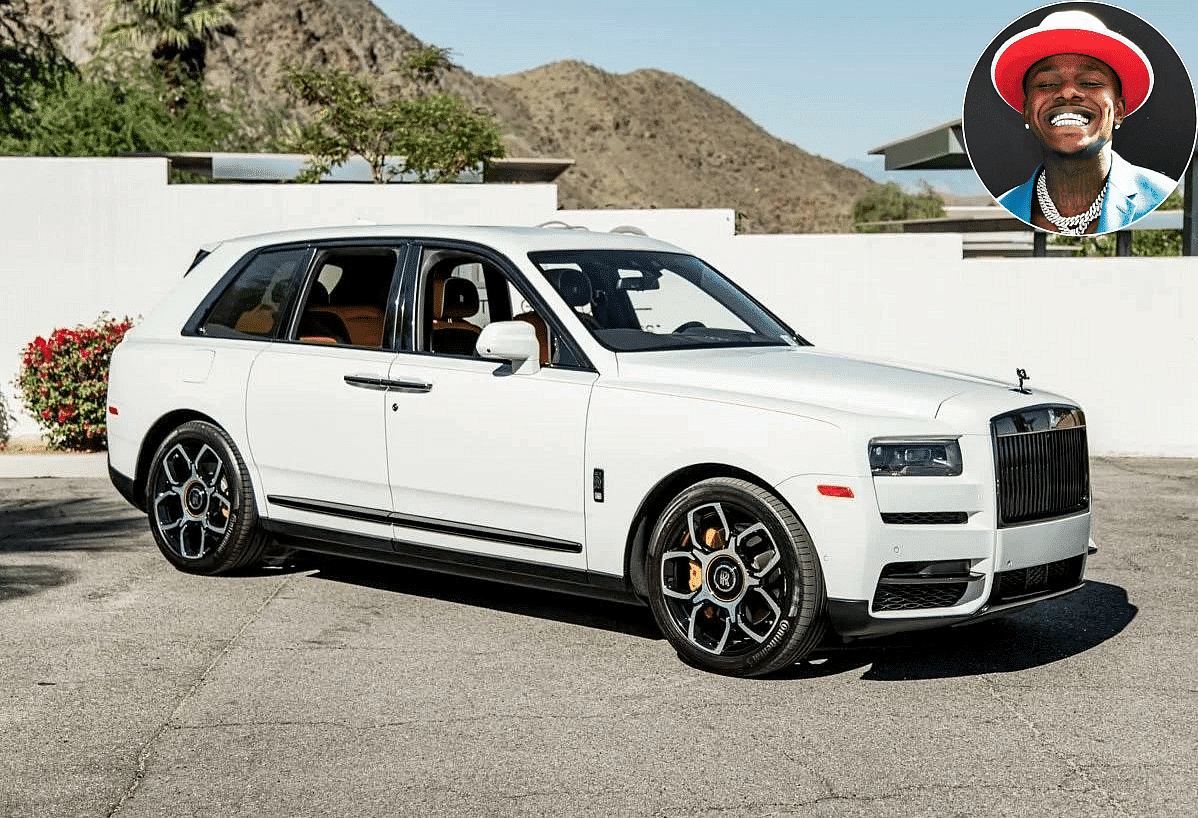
column 457, row 563
column 427, row 524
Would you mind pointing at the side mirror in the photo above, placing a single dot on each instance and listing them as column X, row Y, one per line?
column 512, row 341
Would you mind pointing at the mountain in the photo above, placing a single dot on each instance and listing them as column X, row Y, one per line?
column 647, row 139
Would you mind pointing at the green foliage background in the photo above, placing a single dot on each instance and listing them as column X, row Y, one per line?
column 888, row 203
column 410, row 128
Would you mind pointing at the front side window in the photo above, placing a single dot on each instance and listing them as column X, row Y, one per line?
column 253, row 302
column 634, row 300
column 461, row 293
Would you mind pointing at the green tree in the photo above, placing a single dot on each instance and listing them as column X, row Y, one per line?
column 414, row 129
column 888, row 203
column 95, row 113
column 31, row 63
column 177, row 33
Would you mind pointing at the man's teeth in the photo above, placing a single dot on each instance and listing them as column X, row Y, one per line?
column 1066, row 119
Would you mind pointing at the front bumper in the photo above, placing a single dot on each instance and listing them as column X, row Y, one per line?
column 1003, row 592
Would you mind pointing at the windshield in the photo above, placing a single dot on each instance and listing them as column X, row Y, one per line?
column 635, row 300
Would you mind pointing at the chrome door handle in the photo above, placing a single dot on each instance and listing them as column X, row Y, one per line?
column 387, row 385
column 417, row 387
column 366, row 382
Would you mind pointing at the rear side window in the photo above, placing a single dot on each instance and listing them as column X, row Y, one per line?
column 346, row 304
column 253, row 303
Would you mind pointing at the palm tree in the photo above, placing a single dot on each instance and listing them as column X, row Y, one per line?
column 177, row 32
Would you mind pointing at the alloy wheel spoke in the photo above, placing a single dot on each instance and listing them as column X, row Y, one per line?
column 212, row 479
column 668, row 591
column 774, row 609
column 208, row 525
column 178, row 456
column 693, row 636
column 699, row 524
column 183, row 540
column 226, row 506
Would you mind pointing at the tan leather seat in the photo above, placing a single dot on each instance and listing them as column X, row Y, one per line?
column 258, row 321
column 542, row 331
column 453, row 301
column 363, row 322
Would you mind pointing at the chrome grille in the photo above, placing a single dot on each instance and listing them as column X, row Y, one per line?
column 1042, row 464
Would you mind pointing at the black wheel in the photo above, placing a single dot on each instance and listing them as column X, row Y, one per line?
column 734, row 581
column 201, row 503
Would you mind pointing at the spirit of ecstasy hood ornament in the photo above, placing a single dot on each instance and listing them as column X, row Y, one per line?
column 1022, row 375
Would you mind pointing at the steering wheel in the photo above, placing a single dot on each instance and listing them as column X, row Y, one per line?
column 689, row 325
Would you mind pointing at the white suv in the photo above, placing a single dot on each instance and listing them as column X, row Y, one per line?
column 594, row 413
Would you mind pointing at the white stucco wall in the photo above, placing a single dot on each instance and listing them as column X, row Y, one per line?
column 84, row 235
column 81, row 236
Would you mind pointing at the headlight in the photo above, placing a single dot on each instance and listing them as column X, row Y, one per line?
column 918, row 458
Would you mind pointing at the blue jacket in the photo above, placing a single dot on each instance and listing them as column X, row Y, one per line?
column 1132, row 193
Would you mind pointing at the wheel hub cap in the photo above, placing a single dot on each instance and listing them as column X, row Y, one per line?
column 196, row 498
column 725, row 578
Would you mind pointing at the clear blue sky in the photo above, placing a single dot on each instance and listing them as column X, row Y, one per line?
column 834, row 81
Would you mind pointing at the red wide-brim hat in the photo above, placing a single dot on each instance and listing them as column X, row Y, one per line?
column 1071, row 32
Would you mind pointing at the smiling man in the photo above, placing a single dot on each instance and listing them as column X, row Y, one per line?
column 1074, row 80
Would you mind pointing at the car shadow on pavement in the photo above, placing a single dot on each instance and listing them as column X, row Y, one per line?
column 1045, row 633
column 632, row 620
column 27, row 580
column 74, row 524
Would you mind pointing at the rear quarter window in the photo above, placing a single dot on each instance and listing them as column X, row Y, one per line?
column 252, row 304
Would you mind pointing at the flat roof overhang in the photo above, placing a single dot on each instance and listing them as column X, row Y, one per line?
column 939, row 148
column 284, row 167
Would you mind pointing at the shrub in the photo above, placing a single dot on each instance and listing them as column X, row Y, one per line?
column 5, row 418
column 63, row 381
column 889, row 202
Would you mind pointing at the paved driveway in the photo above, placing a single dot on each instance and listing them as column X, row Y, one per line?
column 331, row 688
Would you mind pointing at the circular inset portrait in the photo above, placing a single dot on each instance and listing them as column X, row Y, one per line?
column 1079, row 118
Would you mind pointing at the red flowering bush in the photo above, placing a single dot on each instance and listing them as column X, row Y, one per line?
column 64, row 382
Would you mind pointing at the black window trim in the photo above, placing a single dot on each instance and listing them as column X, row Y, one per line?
column 288, row 313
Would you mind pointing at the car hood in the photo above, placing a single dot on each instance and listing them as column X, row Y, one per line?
column 806, row 375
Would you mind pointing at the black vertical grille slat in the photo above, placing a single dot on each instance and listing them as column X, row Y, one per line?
column 1041, row 473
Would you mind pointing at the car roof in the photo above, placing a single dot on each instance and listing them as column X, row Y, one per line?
column 510, row 240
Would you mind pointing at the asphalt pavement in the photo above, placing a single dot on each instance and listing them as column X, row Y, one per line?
column 330, row 688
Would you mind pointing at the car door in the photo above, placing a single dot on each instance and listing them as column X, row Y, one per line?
column 316, row 399
column 482, row 459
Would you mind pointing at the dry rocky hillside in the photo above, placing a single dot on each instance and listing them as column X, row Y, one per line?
column 644, row 139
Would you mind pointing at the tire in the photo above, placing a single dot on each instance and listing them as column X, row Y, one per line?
column 201, row 504
column 749, row 598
